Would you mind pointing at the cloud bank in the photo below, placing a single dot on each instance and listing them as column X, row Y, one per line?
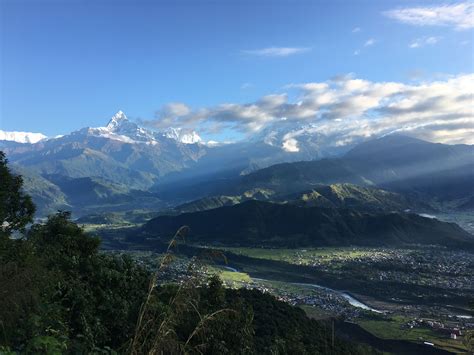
column 276, row 51
column 345, row 108
column 459, row 16
column 424, row 41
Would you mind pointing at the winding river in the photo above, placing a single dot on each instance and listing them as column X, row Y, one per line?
column 352, row 301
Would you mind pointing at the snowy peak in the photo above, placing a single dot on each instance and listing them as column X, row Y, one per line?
column 185, row 137
column 122, row 129
column 116, row 121
column 21, row 137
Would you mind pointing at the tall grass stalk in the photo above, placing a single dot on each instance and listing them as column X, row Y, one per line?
column 154, row 331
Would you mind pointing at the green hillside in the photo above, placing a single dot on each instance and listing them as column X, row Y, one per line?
column 257, row 223
column 357, row 197
column 326, row 196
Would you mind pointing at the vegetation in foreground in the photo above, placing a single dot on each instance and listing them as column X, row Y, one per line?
column 61, row 295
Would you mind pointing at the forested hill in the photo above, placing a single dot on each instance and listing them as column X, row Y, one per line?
column 281, row 225
column 395, row 162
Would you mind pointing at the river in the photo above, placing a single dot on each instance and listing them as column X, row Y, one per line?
column 352, row 301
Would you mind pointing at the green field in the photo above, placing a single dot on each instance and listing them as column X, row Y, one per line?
column 234, row 278
column 305, row 256
column 394, row 328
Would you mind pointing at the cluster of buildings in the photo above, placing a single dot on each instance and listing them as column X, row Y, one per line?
column 433, row 266
column 453, row 328
column 325, row 299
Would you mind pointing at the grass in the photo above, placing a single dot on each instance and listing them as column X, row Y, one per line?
column 91, row 228
column 305, row 256
column 230, row 276
column 316, row 312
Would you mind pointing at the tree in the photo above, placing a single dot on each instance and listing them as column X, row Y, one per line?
column 98, row 294
column 63, row 243
column 16, row 207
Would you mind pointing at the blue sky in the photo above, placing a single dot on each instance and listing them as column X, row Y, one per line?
column 70, row 64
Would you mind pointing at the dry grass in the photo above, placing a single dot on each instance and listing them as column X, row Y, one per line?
column 155, row 329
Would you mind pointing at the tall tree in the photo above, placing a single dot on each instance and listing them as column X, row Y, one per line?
column 16, row 207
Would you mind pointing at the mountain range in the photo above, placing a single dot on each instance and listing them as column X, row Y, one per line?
column 429, row 172
column 134, row 157
column 21, row 137
column 123, row 166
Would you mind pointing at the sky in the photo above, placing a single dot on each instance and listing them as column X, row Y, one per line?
column 230, row 69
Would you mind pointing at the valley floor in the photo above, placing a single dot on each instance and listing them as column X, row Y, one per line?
column 416, row 294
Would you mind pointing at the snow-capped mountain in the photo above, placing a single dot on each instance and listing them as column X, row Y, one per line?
column 126, row 156
column 121, row 152
column 126, row 153
column 21, row 137
column 119, row 128
column 122, row 129
column 186, row 137
column 304, row 142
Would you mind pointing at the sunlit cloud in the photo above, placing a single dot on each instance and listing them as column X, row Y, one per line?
column 290, row 145
column 345, row 108
column 459, row 16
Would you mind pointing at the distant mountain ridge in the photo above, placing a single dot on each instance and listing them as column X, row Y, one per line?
column 325, row 196
column 396, row 163
column 258, row 223
column 393, row 173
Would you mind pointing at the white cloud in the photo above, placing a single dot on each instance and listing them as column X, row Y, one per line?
column 168, row 114
column 277, row 51
column 369, row 42
column 357, row 52
column 356, row 29
column 176, row 109
column 346, row 109
column 423, row 41
column 290, row 145
column 460, row 15
column 432, row 40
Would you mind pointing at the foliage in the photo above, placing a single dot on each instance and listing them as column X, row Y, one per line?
column 71, row 295
column 16, row 208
